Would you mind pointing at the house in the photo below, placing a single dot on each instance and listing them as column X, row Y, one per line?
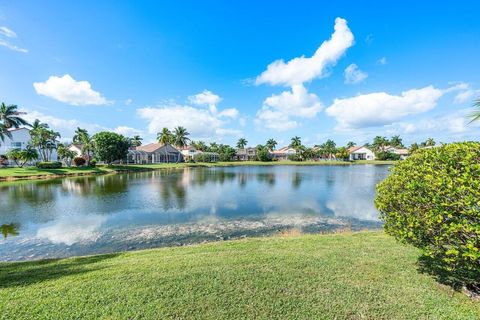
column 283, row 153
column 361, row 153
column 403, row 153
column 246, row 154
column 19, row 140
column 189, row 152
column 77, row 148
column 154, row 153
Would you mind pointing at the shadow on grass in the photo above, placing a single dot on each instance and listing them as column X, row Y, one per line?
column 458, row 279
column 27, row 273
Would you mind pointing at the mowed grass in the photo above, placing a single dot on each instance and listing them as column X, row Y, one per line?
column 363, row 275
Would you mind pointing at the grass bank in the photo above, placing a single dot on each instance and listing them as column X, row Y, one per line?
column 10, row 174
column 341, row 276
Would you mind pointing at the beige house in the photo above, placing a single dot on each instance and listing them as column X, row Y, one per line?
column 283, row 153
column 189, row 152
column 246, row 154
column 154, row 153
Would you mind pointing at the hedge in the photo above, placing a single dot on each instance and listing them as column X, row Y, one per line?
column 49, row 165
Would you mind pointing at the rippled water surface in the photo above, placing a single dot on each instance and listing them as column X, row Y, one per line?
column 87, row 215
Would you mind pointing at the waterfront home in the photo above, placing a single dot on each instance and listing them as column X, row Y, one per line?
column 361, row 153
column 189, row 152
column 283, row 153
column 402, row 152
column 246, row 154
column 154, row 153
column 19, row 140
column 77, row 148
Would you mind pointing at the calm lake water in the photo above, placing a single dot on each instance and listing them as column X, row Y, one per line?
column 98, row 214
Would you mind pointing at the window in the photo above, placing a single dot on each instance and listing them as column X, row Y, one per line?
column 16, row 145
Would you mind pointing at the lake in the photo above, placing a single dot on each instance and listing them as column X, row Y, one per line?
column 100, row 214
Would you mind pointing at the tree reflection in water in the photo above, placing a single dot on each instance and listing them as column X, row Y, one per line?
column 11, row 229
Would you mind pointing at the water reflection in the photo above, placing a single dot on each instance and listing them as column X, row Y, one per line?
column 95, row 214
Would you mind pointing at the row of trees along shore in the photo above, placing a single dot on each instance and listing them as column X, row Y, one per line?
column 110, row 146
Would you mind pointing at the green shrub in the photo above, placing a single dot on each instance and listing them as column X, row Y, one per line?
column 79, row 161
column 387, row 155
column 203, row 157
column 49, row 165
column 432, row 200
column 264, row 155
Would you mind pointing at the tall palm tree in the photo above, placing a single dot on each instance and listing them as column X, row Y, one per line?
column 4, row 133
column 430, row 142
column 165, row 136
column 80, row 135
column 242, row 143
column 271, row 144
column 379, row 144
column 296, row 143
column 475, row 116
column 136, row 141
column 180, row 135
column 351, row 144
column 396, row 141
column 10, row 116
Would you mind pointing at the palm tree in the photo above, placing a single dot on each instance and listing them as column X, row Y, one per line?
column 379, row 144
column 181, row 137
column 136, row 141
column 165, row 136
column 4, row 133
column 80, row 135
column 351, row 144
column 330, row 148
column 9, row 116
column 475, row 116
column 296, row 143
column 396, row 141
column 429, row 143
column 271, row 144
column 242, row 143
column 414, row 147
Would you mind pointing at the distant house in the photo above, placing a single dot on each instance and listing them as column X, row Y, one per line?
column 402, row 152
column 246, row 154
column 77, row 148
column 360, row 153
column 283, row 153
column 20, row 139
column 154, row 153
column 189, row 153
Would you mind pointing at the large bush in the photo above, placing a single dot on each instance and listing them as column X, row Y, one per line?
column 49, row 165
column 264, row 155
column 110, row 146
column 79, row 161
column 387, row 155
column 432, row 200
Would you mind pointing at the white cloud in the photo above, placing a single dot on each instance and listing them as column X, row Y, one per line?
column 201, row 123
column 66, row 127
column 206, row 98
column 128, row 102
column 382, row 61
column 302, row 69
column 229, row 113
column 464, row 96
column 4, row 31
column 68, row 90
column 127, row 131
column 354, row 75
column 10, row 46
column 381, row 108
column 277, row 109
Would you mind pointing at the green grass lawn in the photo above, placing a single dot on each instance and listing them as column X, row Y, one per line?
column 341, row 276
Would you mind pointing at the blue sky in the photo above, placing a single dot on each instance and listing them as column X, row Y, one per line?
column 225, row 70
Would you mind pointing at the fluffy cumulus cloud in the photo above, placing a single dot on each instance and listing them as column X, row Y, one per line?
column 200, row 122
column 8, row 33
column 68, row 90
column 277, row 109
column 303, row 69
column 354, row 75
column 206, row 98
column 278, row 112
column 381, row 108
column 127, row 131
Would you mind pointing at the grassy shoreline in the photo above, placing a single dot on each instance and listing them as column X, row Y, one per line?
column 11, row 174
column 343, row 276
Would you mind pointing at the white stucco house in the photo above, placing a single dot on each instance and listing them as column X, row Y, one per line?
column 361, row 153
column 402, row 152
column 20, row 139
column 189, row 153
column 77, row 148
